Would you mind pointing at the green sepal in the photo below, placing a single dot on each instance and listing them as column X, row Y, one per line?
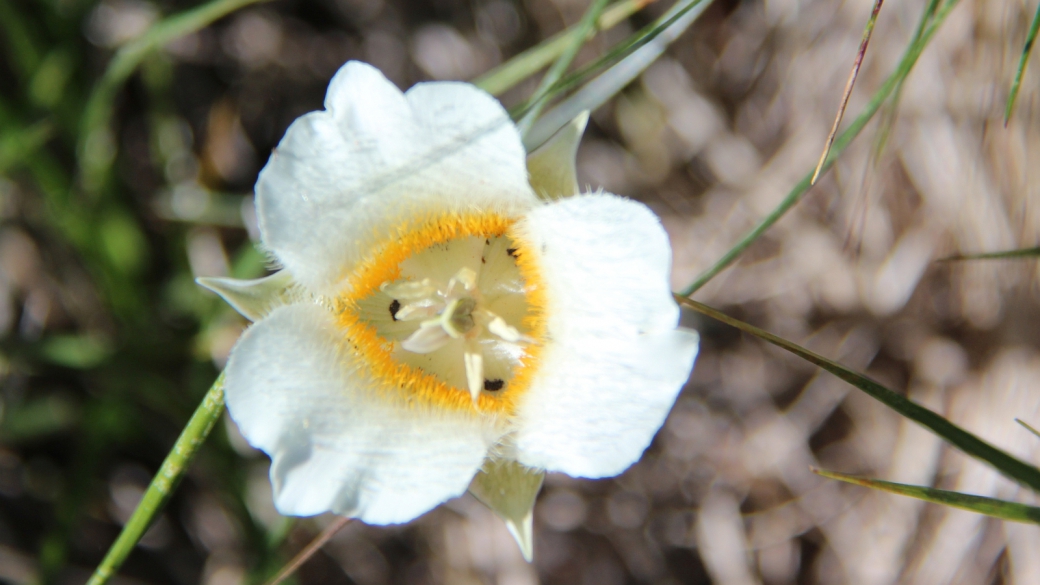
column 509, row 489
column 253, row 299
column 552, row 166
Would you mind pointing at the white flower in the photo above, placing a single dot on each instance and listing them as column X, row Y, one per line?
column 435, row 318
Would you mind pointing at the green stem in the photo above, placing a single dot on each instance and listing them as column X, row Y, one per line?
column 913, row 52
column 585, row 28
column 527, row 63
column 98, row 110
column 169, row 474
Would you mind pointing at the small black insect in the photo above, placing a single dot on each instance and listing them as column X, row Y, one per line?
column 492, row 385
column 511, row 252
column 395, row 306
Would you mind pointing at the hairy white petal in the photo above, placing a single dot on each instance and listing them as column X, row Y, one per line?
column 337, row 445
column 374, row 158
column 615, row 361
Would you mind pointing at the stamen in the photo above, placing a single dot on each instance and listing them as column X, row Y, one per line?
column 409, row 290
column 466, row 277
column 430, row 336
column 507, row 332
column 474, row 361
column 423, row 309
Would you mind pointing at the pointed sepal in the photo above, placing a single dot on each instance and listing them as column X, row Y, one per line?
column 552, row 166
column 252, row 298
column 509, row 489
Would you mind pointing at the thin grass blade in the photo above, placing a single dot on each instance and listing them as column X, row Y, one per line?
column 631, row 59
column 525, row 64
column 585, row 28
column 1022, row 62
column 98, row 111
column 989, row 506
column 1003, row 255
column 1000, row 460
column 910, row 57
column 1028, row 427
column 867, row 32
column 170, row 473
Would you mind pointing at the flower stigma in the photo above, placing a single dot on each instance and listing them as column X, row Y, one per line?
column 449, row 312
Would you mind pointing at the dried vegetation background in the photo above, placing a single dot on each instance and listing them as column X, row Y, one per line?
column 711, row 137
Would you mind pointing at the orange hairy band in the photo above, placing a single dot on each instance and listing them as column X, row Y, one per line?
column 374, row 352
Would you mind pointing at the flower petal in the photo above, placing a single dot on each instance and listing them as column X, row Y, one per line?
column 336, row 445
column 615, row 361
column 345, row 176
column 552, row 166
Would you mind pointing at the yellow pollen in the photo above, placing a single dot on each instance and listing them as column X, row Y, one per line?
column 374, row 351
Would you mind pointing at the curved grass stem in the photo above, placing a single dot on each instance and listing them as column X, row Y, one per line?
column 169, row 474
column 1007, row 464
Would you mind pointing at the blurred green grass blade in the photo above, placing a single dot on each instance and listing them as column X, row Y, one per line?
column 525, row 64
column 989, row 506
column 888, row 115
column 1003, row 255
column 910, row 57
column 586, row 27
column 1000, row 460
column 18, row 145
column 1028, row 427
column 93, row 162
column 626, row 62
column 25, row 56
column 165, row 480
column 1022, row 62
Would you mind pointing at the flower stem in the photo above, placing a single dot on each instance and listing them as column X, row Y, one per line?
column 169, row 474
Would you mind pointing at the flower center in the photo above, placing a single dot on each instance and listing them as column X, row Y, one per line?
column 456, row 319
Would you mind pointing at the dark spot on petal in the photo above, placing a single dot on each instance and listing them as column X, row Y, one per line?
column 487, row 242
column 492, row 385
column 482, row 260
column 511, row 252
column 395, row 306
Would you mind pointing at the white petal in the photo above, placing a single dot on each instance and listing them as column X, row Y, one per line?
column 552, row 166
column 615, row 361
column 337, row 445
column 376, row 157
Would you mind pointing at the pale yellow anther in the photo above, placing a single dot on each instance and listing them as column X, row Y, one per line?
column 466, row 277
column 474, row 361
column 409, row 290
column 505, row 331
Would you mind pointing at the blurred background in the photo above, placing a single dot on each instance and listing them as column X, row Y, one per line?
column 107, row 346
